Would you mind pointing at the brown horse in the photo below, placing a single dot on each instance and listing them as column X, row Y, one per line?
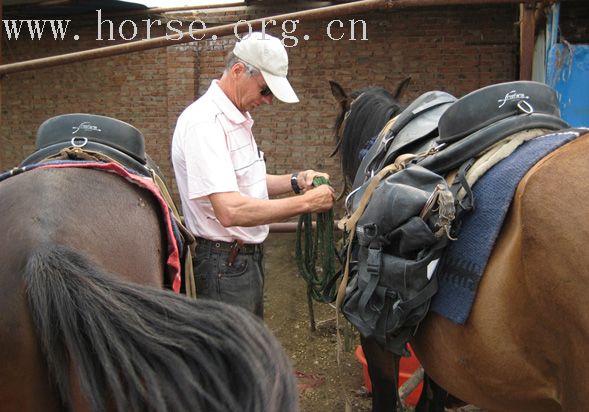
column 524, row 345
column 86, row 325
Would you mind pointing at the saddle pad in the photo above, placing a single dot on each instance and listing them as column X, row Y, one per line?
column 461, row 267
column 172, row 232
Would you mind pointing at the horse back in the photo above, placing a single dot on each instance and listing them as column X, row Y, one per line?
column 528, row 329
column 100, row 214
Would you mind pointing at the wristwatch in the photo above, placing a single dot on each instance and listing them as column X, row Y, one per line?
column 294, row 183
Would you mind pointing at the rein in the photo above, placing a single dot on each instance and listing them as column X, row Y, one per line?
column 316, row 253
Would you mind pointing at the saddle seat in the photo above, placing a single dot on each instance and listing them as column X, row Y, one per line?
column 106, row 136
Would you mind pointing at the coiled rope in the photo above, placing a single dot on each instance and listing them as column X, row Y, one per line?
column 316, row 253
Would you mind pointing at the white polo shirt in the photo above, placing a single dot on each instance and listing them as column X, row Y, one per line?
column 214, row 151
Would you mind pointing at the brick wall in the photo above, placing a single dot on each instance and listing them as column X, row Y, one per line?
column 456, row 49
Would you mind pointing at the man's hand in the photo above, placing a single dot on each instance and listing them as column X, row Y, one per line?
column 305, row 179
column 321, row 198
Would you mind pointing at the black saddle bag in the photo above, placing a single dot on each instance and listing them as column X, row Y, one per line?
column 401, row 232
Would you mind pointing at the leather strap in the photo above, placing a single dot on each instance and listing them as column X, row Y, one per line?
column 189, row 282
column 373, row 264
column 349, row 223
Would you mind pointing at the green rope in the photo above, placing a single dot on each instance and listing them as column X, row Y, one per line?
column 315, row 253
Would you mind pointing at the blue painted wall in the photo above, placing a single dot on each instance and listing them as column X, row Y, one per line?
column 567, row 71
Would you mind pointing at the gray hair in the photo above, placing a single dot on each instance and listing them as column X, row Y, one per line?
column 232, row 60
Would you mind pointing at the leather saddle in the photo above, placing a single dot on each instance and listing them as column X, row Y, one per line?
column 488, row 115
column 94, row 133
column 459, row 129
column 415, row 127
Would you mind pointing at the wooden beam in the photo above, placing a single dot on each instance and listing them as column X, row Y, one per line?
column 527, row 39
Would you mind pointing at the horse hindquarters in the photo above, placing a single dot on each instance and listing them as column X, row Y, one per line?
column 24, row 378
column 526, row 336
column 135, row 348
column 557, row 269
column 81, row 249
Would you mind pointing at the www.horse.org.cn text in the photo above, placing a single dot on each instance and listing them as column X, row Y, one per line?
column 197, row 30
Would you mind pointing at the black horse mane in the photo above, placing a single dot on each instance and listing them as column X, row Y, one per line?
column 143, row 349
column 370, row 110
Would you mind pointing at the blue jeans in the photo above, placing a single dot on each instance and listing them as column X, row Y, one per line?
column 240, row 284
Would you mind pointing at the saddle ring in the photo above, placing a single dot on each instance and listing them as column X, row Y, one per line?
column 525, row 107
column 83, row 139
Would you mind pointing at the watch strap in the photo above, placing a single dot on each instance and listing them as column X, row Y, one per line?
column 294, row 183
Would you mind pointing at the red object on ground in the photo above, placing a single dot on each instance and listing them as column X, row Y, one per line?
column 406, row 368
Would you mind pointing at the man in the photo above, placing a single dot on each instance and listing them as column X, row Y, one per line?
column 221, row 174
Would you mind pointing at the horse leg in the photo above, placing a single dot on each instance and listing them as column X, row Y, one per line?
column 433, row 396
column 383, row 367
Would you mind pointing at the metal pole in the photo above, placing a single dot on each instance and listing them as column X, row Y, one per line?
column 186, row 37
column 161, row 10
column 236, row 28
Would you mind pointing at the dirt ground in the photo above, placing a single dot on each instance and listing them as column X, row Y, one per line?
column 324, row 385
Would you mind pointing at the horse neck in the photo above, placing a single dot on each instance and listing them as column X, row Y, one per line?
column 361, row 130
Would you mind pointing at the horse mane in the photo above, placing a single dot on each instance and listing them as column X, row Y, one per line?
column 370, row 110
column 144, row 349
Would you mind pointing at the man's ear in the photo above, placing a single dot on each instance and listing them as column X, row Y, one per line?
column 237, row 69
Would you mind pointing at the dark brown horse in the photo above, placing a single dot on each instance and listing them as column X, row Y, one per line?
column 524, row 345
column 85, row 325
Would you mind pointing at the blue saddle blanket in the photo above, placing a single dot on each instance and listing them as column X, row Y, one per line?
column 461, row 267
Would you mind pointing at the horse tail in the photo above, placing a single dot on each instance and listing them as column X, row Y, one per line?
column 143, row 349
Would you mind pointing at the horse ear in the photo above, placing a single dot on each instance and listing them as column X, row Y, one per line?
column 338, row 91
column 402, row 88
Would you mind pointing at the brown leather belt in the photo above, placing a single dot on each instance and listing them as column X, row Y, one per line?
column 233, row 248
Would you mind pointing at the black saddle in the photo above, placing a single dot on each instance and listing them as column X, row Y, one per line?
column 110, row 137
column 415, row 127
column 464, row 128
column 486, row 116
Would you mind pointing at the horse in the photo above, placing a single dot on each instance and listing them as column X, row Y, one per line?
column 85, row 323
column 522, row 347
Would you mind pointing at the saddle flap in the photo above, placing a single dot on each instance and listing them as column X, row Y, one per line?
column 491, row 104
column 421, row 130
column 412, row 127
column 104, row 130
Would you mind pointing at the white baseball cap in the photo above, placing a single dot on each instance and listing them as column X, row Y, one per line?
column 267, row 54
